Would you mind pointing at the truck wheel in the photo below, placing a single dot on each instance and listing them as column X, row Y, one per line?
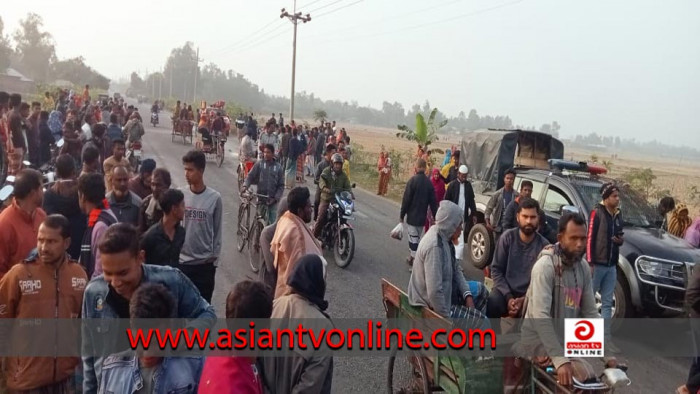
column 481, row 245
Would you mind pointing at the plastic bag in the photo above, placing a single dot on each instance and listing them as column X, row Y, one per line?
column 397, row 232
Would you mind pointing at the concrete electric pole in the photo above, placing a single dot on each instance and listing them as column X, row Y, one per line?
column 294, row 17
column 196, row 71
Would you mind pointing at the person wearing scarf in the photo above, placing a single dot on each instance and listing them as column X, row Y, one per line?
column 55, row 125
column 679, row 221
column 440, row 190
column 448, row 157
column 302, row 370
column 293, row 238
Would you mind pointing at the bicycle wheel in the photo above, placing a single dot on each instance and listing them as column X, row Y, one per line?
column 254, row 249
column 407, row 374
column 243, row 221
column 219, row 153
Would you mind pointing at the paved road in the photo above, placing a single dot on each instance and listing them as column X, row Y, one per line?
column 353, row 292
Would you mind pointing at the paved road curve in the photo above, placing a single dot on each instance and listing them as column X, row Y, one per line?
column 353, row 292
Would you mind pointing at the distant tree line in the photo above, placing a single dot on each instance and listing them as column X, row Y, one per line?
column 654, row 147
column 34, row 55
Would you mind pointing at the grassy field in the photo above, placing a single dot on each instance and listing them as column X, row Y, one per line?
column 679, row 177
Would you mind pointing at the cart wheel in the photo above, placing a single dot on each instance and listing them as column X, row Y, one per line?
column 407, row 374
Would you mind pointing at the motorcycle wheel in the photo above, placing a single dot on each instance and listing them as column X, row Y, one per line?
column 344, row 248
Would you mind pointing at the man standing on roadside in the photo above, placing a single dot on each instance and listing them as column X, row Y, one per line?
column 496, row 207
column 605, row 235
column 124, row 203
column 19, row 223
column 418, row 196
column 163, row 242
column 515, row 254
column 320, row 167
column 151, row 212
column 141, row 183
column 203, row 222
column 117, row 159
column 460, row 192
column 57, row 293
column 292, row 238
column 92, row 201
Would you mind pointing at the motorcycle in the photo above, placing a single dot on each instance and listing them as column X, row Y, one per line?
column 154, row 119
column 337, row 233
column 134, row 155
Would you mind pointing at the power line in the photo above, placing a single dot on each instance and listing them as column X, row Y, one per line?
column 255, row 41
column 338, row 9
column 383, row 19
column 313, row 2
column 325, row 6
column 242, row 40
column 419, row 26
column 255, row 44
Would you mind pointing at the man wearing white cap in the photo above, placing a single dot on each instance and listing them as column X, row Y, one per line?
column 460, row 192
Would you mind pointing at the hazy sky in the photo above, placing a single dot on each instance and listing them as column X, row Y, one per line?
column 628, row 68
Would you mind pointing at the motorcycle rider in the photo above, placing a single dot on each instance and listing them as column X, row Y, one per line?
column 154, row 110
column 267, row 174
column 333, row 180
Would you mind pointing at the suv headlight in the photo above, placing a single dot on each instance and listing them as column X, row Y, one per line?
column 662, row 269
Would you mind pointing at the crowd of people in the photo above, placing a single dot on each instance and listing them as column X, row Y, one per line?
column 110, row 243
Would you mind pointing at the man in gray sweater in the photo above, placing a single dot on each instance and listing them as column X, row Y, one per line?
column 203, row 217
column 561, row 288
column 436, row 276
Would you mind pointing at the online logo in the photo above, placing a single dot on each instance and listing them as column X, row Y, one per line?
column 583, row 337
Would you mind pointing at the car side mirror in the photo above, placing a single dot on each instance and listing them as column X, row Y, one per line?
column 6, row 192
column 570, row 209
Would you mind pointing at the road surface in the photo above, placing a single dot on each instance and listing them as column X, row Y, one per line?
column 353, row 292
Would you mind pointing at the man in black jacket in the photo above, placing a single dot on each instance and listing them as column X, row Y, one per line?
column 417, row 197
column 460, row 192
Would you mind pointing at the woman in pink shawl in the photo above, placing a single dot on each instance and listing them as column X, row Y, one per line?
column 439, row 186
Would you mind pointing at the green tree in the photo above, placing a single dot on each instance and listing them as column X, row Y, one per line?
column 76, row 71
column 641, row 179
column 320, row 115
column 35, row 47
column 425, row 133
column 5, row 48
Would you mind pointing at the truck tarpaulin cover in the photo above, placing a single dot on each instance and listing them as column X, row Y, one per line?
column 489, row 153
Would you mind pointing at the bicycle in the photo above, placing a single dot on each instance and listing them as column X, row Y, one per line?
column 250, row 232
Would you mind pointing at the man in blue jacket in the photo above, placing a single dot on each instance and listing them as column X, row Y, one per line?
column 107, row 296
column 605, row 236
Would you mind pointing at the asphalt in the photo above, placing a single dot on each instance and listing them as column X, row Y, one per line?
column 353, row 292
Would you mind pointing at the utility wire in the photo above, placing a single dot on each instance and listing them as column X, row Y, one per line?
column 324, row 6
column 306, row 5
column 337, row 9
column 242, row 40
column 257, row 40
column 419, row 26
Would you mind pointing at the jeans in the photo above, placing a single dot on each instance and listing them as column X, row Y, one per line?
column 497, row 305
column 604, row 280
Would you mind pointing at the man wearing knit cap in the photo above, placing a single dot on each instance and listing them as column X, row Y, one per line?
column 437, row 281
column 605, row 236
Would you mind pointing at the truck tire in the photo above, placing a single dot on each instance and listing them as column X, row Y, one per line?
column 480, row 246
column 623, row 300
